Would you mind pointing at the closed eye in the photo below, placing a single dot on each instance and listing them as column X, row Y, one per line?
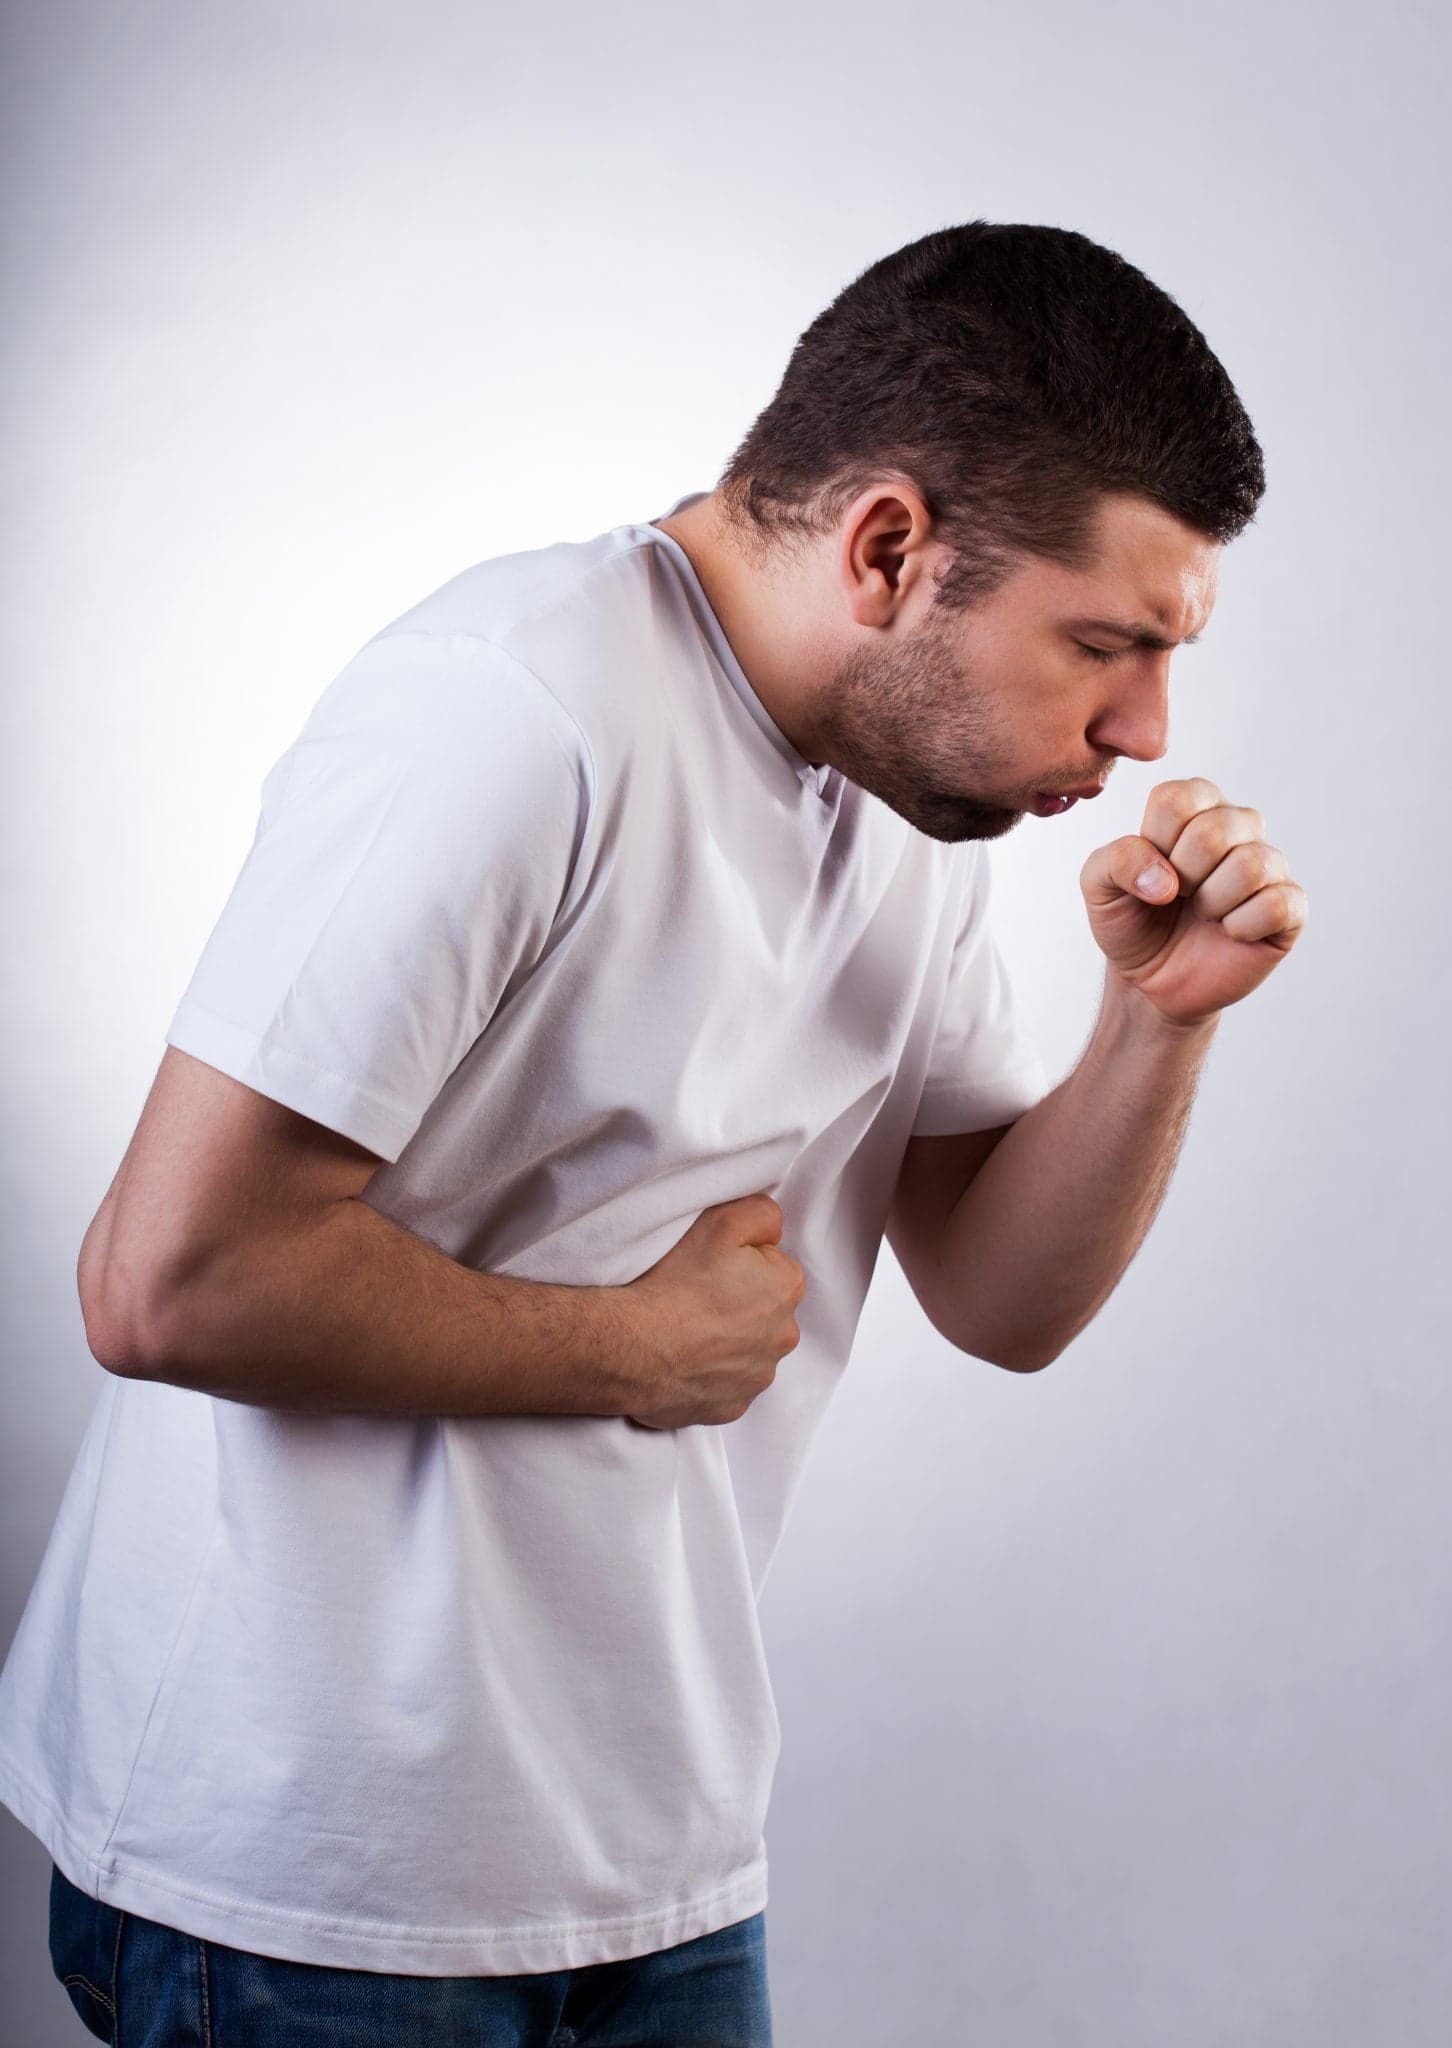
column 1100, row 653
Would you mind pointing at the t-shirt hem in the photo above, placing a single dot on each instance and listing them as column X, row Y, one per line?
column 356, row 1945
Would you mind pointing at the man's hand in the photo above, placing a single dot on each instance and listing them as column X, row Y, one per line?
column 715, row 1316
column 1195, row 909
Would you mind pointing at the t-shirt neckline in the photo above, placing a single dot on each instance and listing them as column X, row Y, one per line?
column 822, row 782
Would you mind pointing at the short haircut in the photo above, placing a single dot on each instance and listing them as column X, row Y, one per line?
column 1012, row 373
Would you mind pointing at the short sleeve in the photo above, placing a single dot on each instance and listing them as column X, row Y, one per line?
column 983, row 1068
column 415, row 846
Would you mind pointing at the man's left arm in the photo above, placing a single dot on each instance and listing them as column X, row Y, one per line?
column 1013, row 1240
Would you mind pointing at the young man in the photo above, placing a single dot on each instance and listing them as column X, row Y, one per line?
column 609, row 973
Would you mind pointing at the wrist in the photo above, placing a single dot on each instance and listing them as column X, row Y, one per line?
column 1129, row 1013
column 630, row 1344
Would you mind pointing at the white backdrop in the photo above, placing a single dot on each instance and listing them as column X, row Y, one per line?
column 1114, row 1698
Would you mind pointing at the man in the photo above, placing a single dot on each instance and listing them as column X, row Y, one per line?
column 610, row 971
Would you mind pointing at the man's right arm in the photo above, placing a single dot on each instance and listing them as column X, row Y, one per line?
column 233, row 1255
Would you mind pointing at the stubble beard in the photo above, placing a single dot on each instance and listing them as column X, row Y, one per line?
column 883, row 722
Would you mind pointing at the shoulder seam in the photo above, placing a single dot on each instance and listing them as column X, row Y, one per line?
column 561, row 709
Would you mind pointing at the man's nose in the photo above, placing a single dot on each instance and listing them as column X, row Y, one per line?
column 1137, row 720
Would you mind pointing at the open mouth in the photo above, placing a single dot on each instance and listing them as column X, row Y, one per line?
column 1047, row 803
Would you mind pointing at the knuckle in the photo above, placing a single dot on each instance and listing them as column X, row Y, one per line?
column 1262, row 863
column 1186, row 794
column 1269, row 902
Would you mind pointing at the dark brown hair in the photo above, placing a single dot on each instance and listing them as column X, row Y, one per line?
column 1012, row 373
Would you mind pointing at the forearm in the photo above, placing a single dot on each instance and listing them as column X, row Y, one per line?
column 353, row 1314
column 1040, row 1237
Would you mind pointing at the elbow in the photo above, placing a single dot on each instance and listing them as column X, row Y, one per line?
column 1008, row 1355
column 990, row 1349
column 1025, row 1349
column 117, row 1297
column 1018, row 1361
column 109, row 1337
column 1022, row 1364
column 113, row 1344
column 115, row 1338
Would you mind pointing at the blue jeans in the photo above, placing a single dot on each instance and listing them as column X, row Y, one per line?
column 138, row 1984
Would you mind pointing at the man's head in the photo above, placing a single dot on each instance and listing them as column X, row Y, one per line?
column 990, row 439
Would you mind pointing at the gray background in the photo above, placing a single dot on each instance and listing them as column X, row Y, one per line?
column 1115, row 1698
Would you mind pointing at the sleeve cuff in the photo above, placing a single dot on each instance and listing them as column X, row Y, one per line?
column 1016, row 1088
column 329, row 1099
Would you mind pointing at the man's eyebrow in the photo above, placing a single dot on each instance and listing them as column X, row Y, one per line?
column 1132, row 629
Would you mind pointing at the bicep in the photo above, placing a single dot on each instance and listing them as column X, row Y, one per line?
column 934, row 1172
column 210, row 1161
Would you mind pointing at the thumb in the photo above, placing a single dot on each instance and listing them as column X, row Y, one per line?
column 1132, row 866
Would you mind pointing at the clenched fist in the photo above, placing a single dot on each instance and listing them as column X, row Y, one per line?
column 718, row 1314
column 1196, row 908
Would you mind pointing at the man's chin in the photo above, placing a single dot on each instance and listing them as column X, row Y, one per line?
column 956, row 817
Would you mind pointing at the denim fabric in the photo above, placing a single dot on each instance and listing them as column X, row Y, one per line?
column 138, row 1984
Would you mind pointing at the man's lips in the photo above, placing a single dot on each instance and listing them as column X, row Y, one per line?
column 1050, row 803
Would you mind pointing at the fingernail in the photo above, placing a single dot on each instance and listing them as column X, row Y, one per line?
column 1154, row 882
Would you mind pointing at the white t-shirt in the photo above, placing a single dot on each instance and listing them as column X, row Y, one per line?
column 544, row 908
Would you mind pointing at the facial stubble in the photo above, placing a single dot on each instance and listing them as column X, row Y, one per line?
column 894, row 711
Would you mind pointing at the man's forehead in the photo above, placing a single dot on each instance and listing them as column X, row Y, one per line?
column 1153, row 576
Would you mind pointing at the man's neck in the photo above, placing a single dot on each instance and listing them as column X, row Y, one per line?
column 728, row 582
